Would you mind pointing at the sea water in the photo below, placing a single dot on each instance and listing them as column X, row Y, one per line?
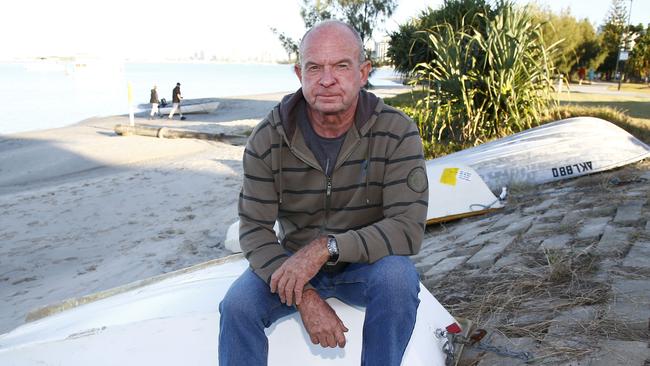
column 46, row 94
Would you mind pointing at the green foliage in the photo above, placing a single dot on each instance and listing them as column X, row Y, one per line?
column 289, row 45
column 578, row 44
column 311, row 14
column 612, row 32
column 639, row 63
column 485, row 83
column 315, row 12
column 362, row 15
column 408, row 45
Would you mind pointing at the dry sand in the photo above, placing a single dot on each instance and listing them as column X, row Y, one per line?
column 84, row 210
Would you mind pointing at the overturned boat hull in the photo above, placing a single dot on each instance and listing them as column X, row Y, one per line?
column 188, row 107
column 173, row 319
column 559, row 150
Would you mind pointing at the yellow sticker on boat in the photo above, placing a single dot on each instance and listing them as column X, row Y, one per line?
column 448, row 176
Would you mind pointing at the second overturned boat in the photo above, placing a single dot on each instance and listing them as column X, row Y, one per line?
column 200, row 105
column 559, row 150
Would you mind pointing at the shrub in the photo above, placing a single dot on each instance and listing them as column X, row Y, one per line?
column 489, row 84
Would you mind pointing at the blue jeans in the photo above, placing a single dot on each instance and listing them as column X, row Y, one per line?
column 387, row 288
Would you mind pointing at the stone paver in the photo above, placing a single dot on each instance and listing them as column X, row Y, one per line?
column 592, row 228
column 466, row 250
column 612, row 224
column 562, row 324
column 433, row 257
column 638, row 256
column 508, row 261
column 541, row 229
column 507, row 220
column 629, row 213
column 543, row 206
column 552, row 215
column 444, row 267
column 620, row 353
column 423, row 267
column 490, row 253
column 614, row 241
column 470, row 234
column 513, row 345
column 519, row 226
column 485, row 237
column 556, row 242
column 645, row 176
column 630, row 303
column 574, row 217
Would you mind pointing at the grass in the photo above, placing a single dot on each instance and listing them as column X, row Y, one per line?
column 643, row 88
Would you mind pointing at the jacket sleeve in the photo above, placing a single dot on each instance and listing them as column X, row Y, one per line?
column 258, row 210
column 405, row 198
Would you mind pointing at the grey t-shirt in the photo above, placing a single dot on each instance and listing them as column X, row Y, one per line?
column 326, row 150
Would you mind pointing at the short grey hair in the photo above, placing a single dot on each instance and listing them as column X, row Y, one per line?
column 330, row 22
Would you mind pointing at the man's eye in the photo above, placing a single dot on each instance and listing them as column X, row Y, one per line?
column 313, row 68
column 342, row 66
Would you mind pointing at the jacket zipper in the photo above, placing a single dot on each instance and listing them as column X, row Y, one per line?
column 328, row 196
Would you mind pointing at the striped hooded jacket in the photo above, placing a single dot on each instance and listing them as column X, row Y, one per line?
column 374, row 203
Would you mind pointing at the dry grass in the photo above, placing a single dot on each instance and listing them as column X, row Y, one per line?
column 523, row 303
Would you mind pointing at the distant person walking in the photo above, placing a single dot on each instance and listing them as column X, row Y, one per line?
column 582, row 72
column 176, row 101
column 154, row 103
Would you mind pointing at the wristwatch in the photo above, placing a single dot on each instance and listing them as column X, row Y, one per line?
column 333, row 249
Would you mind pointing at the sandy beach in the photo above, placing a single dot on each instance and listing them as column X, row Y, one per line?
column 84, row 210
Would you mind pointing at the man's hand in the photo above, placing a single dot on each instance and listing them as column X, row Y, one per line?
column 289, row 280
column 321, row 322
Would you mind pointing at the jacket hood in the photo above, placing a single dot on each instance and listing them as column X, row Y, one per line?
column 287, row 111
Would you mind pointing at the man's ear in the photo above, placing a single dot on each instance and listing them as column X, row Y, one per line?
column 298, row 70
column 364, row 69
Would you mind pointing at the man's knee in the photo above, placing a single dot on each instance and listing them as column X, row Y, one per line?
column 396, row 275
column 242, row 301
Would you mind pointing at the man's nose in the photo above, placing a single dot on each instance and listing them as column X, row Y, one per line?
column 327, row 78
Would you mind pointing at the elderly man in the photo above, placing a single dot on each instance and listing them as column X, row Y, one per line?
column 344, row 175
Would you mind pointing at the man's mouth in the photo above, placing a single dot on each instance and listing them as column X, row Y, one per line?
column 327, row 96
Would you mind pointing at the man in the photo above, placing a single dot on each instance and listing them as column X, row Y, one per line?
column 153, row 99
column 344, row 175
column 176, row 101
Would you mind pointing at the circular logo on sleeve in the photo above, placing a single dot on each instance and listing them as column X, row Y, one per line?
column 417, row 180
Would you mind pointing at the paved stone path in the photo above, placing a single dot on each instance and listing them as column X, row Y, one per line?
column 562, row 271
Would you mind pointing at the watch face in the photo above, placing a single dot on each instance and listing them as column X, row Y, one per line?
column 332, row 245
column 333, row 250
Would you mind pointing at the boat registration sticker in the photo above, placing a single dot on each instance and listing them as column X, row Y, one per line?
column 449, row 175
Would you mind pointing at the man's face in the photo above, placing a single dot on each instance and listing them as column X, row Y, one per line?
column 330, row 72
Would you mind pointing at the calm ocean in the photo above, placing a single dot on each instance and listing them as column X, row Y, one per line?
column 42, row 95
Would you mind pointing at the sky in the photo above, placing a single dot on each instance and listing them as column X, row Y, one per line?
column 164, row 29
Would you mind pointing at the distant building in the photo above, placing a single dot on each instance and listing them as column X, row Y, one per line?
column 380, row 49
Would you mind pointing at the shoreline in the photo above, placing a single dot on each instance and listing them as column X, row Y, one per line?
column 86, row 210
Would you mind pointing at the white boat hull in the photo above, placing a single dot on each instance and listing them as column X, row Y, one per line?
column 559, row 150
column 207, row 107
column 174, row 320
column 457, row 191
